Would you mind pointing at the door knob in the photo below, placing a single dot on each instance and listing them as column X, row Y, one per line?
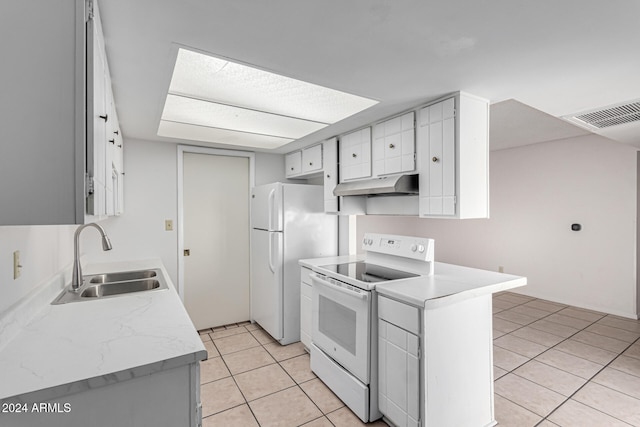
column 435, row 159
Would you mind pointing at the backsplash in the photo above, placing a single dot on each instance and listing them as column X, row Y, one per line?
column 44, row 251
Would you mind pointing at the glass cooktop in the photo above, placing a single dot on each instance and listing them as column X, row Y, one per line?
column 369, row 273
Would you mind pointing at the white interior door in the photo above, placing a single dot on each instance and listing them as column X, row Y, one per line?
column 216, row 236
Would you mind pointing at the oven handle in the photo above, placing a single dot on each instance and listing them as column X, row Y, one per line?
column 320, row 281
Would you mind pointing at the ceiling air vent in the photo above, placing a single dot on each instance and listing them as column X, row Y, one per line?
column 610, row 116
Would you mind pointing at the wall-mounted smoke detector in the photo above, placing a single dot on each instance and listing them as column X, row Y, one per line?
column 612, row 115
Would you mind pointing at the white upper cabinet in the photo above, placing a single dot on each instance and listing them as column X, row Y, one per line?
column 305, row 162
column 394, row 145
column 312, row 159
column 293, row 164
column 355, row 155
column 330, row 179
column 57, row 170
column 453, row 146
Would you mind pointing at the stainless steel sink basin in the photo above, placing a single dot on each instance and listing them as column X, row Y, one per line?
column 122, row 276
column 109, row 285
column 108, row 289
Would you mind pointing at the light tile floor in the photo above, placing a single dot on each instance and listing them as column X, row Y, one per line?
column 554, row 365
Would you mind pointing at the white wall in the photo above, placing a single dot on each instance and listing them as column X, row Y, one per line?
column 151, row 198
column 537, row 192
column 44, row 251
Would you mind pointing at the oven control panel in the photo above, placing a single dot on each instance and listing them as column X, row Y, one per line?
column 419, row 248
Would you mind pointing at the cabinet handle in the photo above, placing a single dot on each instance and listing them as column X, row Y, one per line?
column 328, row 176
column 291, row 168
column 119, row 145
column 392, row 146
column 435, row 159
column 354, row 155
column 117, row 132
column 113, row 141
column 310, row 163
column 105, row 117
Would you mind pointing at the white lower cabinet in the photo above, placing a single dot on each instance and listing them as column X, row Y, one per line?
column 398, row 374
column 157, row 397
column 305, row 307
column 435, row 365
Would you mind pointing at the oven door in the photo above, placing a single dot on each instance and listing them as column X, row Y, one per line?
column 341, row 324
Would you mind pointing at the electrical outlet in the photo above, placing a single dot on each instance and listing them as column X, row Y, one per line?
column 17, row 268
column 168, row 225
column 500, row 269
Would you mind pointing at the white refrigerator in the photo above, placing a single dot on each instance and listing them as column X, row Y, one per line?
column 288, row 223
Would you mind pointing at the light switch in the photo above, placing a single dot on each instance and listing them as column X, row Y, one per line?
column 168, row 225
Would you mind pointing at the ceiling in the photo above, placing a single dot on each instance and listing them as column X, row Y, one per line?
column 536, row 61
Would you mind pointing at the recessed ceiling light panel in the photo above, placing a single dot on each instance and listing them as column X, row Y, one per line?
column 220, row 136
column 209, row 91
column 204, row 113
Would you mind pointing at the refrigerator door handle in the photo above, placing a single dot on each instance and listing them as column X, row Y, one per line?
column 271, row 265
column 270, row 205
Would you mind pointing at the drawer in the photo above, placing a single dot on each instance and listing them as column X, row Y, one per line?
column 402, row 315
column 305, row 274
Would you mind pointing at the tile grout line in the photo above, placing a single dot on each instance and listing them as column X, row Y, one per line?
column 589, row 380
column 552, row 347
column 278, row 362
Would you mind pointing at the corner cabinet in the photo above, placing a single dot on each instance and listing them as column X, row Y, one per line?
column 56, row 166
column 453, row 160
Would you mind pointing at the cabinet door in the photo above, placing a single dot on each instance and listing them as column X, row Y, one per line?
column 305, row 314
column 398, row 375
column 312, row 159
column 97, row 119
column 293, row 163
column 355, row 155
column 330, row 164
column 438, row 159
column 393, row 148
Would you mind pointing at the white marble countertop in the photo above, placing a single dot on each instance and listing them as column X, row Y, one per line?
column 449, row 284
column 75, row 346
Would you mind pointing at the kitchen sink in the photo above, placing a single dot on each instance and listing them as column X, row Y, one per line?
column 108, row 289
column 122, row 276
column 108, row 285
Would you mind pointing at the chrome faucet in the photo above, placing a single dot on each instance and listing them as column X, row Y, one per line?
column 76, row 280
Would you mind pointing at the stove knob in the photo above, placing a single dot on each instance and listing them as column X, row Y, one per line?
column 421, row 248
column 414, row 248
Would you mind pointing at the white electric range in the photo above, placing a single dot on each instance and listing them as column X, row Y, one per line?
column 344, row 313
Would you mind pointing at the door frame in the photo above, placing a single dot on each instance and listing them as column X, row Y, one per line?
column 182, row 149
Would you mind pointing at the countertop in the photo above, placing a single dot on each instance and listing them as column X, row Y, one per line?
column 449, row 284
column 72, row 347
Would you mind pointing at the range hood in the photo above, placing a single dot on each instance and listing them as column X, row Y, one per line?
column 385, row 185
